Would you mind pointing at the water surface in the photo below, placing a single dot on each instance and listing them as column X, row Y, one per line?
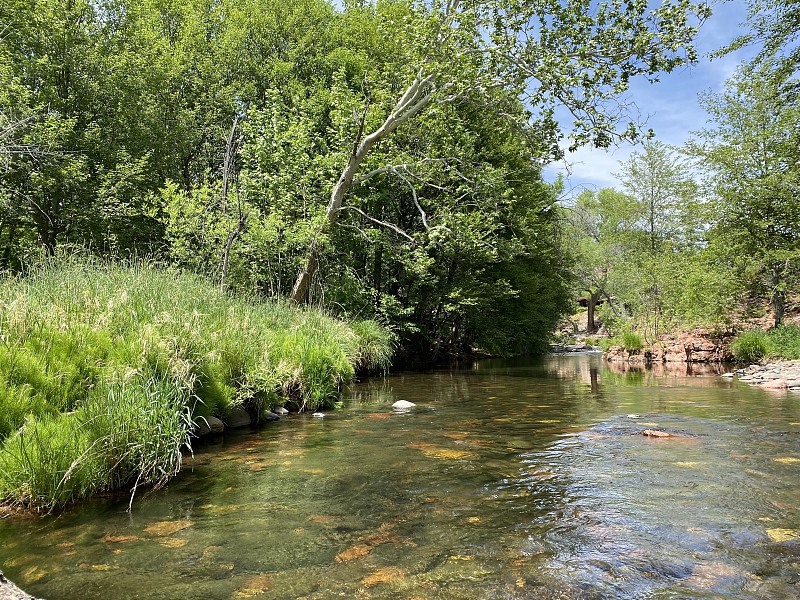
column 521, row 479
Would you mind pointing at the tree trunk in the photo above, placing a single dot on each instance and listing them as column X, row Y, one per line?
column 594, row 297
column 415, row 98
column 228, row 164
column 778, row 298
column 377, row 275
column 226, row 254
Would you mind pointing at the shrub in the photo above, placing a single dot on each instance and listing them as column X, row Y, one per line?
column 632, row 342
column 751, row 346
column 785, row 341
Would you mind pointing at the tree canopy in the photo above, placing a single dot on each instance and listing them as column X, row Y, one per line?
column 390, row 150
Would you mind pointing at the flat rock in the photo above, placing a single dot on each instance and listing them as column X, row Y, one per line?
column 403, row 405
column 775, row 384
column 238, row 418
column 655, row 433
column 280, row 411
column 268, row 416
column 318, row 415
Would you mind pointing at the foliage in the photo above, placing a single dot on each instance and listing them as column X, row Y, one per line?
column 645, row 251
column 785, row 342
column 103, row 368
column 751, row 346
column 632, row 341
column 127, row 106
column 750, row 154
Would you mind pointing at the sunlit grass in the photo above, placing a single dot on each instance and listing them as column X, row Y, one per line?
column 780, row 342
column 104, row 367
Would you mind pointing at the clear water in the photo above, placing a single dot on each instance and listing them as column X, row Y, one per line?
column 526, row 479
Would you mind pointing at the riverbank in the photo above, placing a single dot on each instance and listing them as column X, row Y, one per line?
column 107, row 373
column 784, row 375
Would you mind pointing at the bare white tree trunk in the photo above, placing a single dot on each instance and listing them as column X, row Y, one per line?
column 416, row 97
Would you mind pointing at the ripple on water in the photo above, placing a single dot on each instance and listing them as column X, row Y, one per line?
column 509, row 480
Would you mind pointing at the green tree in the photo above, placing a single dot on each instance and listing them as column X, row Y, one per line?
column 601, row 233
column 556, row 55
column 751, row 156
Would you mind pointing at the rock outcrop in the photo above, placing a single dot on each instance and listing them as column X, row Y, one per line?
column 697, row 346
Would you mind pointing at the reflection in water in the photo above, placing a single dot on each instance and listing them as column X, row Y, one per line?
column 510, row 479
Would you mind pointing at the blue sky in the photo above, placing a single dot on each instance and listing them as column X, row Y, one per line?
column 671, row 104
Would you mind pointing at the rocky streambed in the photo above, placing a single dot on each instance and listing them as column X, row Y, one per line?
column 775, row 376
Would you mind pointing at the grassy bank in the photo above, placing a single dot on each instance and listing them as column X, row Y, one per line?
column 103, row 369
column 777, row 343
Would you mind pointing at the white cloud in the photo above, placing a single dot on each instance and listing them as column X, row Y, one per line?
column 670, row 106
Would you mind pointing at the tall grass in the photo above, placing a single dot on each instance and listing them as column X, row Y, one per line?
column 780, row 343
column 103, row 369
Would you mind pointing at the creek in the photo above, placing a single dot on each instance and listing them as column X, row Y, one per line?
column 509, row 479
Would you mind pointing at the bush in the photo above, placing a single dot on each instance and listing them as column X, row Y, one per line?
column 785, row 341
column 632, row 342
column 751, row 346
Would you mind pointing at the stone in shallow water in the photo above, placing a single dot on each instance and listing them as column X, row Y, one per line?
column 384, row 575
column 403, row 405
column 164, row 528
column 654, row 433
column 239, row 418
column 783, row 535
column 280, row 411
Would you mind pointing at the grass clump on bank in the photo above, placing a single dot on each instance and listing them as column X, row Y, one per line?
column 104, row 368
column 632, row 342
column 780, row 343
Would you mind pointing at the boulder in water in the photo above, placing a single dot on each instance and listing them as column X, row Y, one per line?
column 239, row 418
column 208, row 425
column 403, row 405
column 654, row 433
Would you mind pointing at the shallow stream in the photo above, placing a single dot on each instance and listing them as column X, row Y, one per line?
column 510, row 479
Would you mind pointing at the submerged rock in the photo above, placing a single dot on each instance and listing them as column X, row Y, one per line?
column 403, row 405
column 654, row 433
column 268, row 416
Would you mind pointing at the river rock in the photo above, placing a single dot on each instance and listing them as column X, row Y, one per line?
column 403, row 405
column 9, row 591
column 654, row 433
column 280, row 411
column 774, row 384
column 208, row 425
column 238, row 418
column 268, row 416
column 318, row 415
